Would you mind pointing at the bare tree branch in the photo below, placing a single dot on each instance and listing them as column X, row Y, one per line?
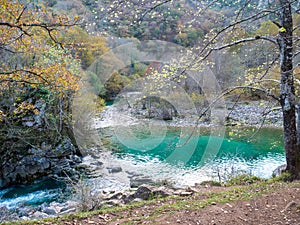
column 226, row 92
column 20, row 27
column 241, row 41
column 22, row 12
column 296, row 54
column 48, row 27
column 269, row 67
column 153, row 8
column 24, row 71
column 112, row 10
column 265, row 113
column 9, row 50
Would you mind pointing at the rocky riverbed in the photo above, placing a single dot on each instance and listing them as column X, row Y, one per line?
column 112, row 183
column 95, row 201
column 254, row 113
column 107, row 184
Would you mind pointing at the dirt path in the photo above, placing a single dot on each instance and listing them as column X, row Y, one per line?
column 279, row 207
column 266, row 204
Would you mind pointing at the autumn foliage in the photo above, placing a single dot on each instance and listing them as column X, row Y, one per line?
column 38, row 77
column 27, row 34
column 32, row 57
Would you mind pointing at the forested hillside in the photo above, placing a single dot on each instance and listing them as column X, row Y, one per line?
column 190, row 24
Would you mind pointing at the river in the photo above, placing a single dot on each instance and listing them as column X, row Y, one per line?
column 177, row 155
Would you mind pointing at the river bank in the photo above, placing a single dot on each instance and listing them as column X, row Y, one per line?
column 247, row 113
column 109, row 174
column 261, row 202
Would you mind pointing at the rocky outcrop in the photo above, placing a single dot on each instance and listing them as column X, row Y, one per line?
column 36, row 138
column 47, row 160
column 157, row 108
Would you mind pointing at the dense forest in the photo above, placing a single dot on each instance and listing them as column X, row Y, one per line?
column 49, row 52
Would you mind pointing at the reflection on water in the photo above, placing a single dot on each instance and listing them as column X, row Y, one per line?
column 238, row 153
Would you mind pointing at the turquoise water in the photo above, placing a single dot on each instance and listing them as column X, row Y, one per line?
column 109, row 103
column 33, row 195
column 235, row 150
column 179, row 155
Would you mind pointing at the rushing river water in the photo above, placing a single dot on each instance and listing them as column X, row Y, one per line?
column 173, row 154
column 33, row 195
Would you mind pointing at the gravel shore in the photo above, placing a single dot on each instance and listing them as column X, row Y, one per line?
column 254, row 113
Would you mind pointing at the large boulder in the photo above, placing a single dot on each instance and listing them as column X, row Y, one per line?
column 146, row 192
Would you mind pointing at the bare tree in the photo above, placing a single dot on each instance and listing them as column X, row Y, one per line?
column 283, row 14
column 287, row 87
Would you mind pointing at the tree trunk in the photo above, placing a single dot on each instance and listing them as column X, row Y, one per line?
column 287, row 89
column 298, row 123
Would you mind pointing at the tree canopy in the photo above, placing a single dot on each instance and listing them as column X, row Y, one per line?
column 30, row 49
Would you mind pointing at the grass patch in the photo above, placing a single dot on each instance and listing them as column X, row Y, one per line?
column 243, row 179
column 211, row 183
column 285, row 177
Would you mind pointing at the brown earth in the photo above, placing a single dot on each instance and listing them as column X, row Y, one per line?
column 268, row 204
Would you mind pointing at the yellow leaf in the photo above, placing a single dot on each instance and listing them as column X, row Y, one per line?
column 282, row 30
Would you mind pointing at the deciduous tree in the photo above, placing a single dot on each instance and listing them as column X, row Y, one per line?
column 37, row 79
column 279, row 31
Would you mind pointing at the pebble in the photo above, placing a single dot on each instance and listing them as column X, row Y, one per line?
column 289, row 206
